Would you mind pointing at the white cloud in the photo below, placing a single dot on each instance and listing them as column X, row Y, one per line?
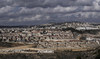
column 96, row 4
column 64, row 9
column 10, row 20
column 6, row 9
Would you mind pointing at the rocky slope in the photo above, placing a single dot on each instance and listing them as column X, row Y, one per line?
column 93, row 54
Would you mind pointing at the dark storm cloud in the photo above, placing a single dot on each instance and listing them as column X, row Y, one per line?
column 23, row 11
column 44, row 3
column 48, row 3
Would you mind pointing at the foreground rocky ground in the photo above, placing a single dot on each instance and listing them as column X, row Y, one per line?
column 93, row 54
column 58, row 54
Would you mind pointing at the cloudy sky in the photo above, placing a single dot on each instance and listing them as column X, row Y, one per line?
column 27, row 12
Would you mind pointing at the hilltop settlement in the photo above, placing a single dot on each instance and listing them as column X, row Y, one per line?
column 47, row 38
